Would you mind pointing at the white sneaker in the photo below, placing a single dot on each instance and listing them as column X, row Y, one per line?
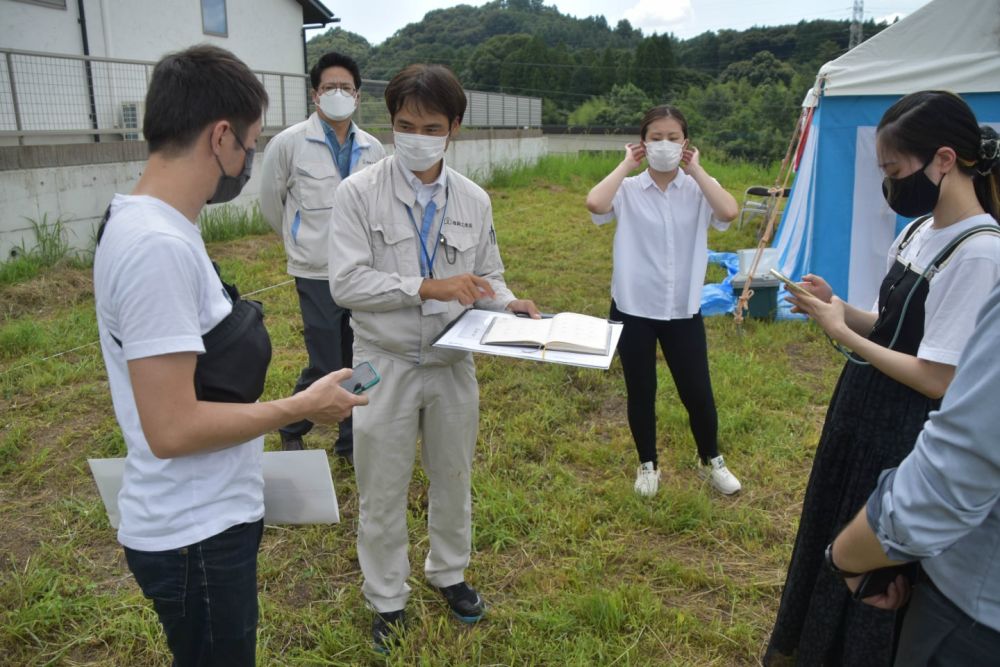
column 647, row 480
column 719, row 476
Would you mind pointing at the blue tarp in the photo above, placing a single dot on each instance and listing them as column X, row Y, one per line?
column 718, row 298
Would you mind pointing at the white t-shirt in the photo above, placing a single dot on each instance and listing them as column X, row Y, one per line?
column 957, row 292
column 661, row 246
column 156, row 291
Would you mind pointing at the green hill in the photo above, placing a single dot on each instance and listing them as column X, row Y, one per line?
column 586, row 70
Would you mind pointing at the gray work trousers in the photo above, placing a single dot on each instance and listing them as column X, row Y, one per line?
column 439, row 405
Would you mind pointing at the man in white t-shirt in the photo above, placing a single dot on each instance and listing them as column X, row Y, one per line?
column 192, row 493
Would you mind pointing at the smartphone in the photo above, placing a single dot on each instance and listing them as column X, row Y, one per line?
column 791, row 284
column 877, row 581
column 363, row 377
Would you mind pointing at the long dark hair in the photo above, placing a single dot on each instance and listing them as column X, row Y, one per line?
column 921, row 123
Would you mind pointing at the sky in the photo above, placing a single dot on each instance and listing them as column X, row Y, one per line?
column 376, row 20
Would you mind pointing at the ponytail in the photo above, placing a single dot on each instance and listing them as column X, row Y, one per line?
column 987, row 180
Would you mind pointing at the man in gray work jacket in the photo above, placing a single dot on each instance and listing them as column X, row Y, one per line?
column 412, row 246
column 941, row 506
column 302, row 168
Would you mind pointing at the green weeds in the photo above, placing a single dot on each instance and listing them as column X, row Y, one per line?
column 228, row 222
column 576, row 569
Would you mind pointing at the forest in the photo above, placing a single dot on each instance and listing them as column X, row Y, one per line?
column 740, row 90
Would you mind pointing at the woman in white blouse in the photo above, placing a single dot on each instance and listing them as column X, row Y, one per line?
column 660, row 256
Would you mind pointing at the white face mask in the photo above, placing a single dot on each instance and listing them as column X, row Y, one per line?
column 664, row 155
column 337, row 105
column 419, row 152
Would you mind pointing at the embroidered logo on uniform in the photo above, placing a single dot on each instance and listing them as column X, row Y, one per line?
column 457, row 223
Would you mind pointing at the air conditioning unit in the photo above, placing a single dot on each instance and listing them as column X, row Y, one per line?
column 130, row 118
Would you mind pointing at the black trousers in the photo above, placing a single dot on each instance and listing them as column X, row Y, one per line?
column 329, row 342
column 686, row 351
column 937, row 633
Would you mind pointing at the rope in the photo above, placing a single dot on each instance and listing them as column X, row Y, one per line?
column 95, row 342
column 772, row 206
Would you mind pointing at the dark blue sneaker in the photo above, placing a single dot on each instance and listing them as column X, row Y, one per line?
column 387, row 628
column 464, row 601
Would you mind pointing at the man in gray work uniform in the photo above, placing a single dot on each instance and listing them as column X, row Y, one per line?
column 412, row 246
column 302, row 168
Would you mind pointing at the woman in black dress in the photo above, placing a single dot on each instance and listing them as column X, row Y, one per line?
column 936, row 160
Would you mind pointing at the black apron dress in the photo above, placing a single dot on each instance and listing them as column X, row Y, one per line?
column 872, row 424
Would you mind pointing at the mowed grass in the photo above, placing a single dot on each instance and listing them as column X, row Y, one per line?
column 575, row 568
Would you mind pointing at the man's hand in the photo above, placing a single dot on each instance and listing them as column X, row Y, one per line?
column 465, row 288
column 331, row 403
column 895, row 596
column 524, row 306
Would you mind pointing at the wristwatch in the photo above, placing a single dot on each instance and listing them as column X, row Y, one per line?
column 828, row 557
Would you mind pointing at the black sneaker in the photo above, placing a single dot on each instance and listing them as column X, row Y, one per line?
column 387, row 628
column 292, row 443
column 464, row 601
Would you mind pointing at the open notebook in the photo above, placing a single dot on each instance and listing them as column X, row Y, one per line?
column 466, row 332
column 567, row 332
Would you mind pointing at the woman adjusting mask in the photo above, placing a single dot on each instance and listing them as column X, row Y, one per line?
column 664, row 155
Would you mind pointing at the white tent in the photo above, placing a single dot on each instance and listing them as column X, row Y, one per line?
column 837, row 223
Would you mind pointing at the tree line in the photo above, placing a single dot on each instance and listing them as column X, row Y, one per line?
column 740, row 90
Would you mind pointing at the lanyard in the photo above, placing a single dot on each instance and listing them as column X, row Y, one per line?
column 427, row 258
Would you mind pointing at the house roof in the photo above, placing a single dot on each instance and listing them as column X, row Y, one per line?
column 314, row 11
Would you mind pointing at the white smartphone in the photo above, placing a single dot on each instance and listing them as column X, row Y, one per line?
column 791, row 284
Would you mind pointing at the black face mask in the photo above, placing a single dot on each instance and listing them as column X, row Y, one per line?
column 231, row 186
column 912, row 195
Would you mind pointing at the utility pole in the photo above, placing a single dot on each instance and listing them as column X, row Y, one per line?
column 857, row 18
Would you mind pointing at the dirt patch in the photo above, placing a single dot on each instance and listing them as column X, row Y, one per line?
column 251, row 246
column 806, row 361
column 57, row 289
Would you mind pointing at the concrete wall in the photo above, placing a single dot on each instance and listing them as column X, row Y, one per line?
column 74, row 184
column 562, row 144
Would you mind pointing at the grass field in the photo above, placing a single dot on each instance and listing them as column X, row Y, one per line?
column 576, row 569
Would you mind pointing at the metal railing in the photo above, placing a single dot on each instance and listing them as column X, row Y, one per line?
column 58, row 98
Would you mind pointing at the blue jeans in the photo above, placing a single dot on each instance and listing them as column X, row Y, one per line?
column 205, row 595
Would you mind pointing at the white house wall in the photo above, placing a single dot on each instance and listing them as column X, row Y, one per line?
column 29, row 27
column 266, row 34
column 53, row 94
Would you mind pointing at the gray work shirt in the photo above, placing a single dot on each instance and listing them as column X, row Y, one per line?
column 940, row 506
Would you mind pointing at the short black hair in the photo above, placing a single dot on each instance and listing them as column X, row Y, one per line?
column 428, row 87
column 334, row 59
column 193, row 88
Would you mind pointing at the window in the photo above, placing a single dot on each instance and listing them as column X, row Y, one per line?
column 213, row 17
